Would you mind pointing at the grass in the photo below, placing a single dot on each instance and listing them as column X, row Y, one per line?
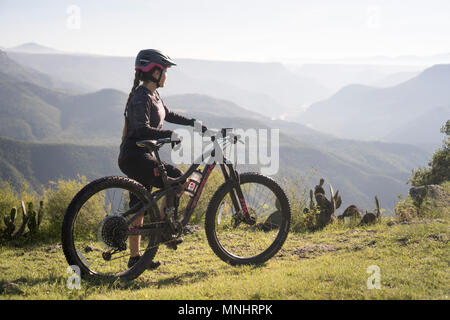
column 413, row 259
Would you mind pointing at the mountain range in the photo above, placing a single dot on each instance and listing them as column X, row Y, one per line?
column 39, row 163
column 31, row 47
column 44, row 116
column 336, row 76
column 268, row 88
column 369, row 113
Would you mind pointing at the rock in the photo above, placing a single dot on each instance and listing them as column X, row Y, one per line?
column 438, row 238
column 418, row 193
column 90, row 248
column 11, row 288
column 351, row 211
column 314, row 249
column 272, row 222
column 326, row 207
column 53, row 249
column 369, row 218
column 191, row 228
column 433, row 191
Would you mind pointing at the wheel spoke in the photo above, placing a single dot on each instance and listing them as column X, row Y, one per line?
column 98, row 228
column 244, row 241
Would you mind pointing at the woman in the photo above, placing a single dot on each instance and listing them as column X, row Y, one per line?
column 144, row 115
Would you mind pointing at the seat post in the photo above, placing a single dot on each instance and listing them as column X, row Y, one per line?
column 161, row 168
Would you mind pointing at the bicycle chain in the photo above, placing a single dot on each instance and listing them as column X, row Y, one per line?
column 148, row 248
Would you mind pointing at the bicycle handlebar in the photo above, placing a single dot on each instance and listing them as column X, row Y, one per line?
column 223, row 133
column 213, row 134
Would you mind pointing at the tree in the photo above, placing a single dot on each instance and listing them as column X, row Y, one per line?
column 439, row 165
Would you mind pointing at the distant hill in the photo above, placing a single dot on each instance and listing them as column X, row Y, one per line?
column 34, row 113
column 267, row 88
column 336, row 76
column 200, row 104
column 368, row 113
column 358, row 169
column 40, row 163
column 23, row 114
column 394, row 79
column 423, row 130
column 32, row 47
column 18, row 72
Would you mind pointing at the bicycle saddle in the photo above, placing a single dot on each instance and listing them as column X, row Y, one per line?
column 148, row 144
column 152, row 145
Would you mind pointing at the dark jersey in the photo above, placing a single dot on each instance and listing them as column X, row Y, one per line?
column 146, row 113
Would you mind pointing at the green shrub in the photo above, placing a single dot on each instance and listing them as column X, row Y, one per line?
column 406, row 209
column 8, row 199
column 11, row 197
column 439, row 166
column 58, row 197
column 297, row 192
column 305, row 222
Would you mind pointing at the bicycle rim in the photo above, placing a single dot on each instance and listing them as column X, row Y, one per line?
column 243, row 241
column 98, row 231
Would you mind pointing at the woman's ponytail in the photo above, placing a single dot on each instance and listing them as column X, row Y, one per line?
column 136, row 82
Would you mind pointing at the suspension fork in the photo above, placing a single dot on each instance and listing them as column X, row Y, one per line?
column 237, row 197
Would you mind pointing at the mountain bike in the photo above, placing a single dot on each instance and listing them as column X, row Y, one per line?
column 246, row 222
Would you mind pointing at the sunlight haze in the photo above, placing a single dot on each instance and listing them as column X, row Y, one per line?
column 285, row 31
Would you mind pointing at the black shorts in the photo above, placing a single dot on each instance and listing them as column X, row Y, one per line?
column 143, row 168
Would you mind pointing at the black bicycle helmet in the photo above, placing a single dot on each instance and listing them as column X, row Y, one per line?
column 149, row 59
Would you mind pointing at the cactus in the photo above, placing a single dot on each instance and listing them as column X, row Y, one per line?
column 351, row 211
column 34, row 218
column 332, row 200
column 371, row 217
column 30, row 219
column 13, row 214
column 20, row 231
column 318, row 188
column 326, row 207
column 32, row 223
column 9, row 222
column 312, row 203
column 337, row 200
column 377, row 203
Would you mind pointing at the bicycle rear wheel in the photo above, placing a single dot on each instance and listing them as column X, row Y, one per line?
column 237, row 242
column 94, row 233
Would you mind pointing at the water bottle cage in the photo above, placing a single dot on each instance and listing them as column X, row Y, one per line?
column 192, row 187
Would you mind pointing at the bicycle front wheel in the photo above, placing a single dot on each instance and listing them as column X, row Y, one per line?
column 237, row 242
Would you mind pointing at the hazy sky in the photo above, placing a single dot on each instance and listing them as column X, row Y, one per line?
column 251, row 30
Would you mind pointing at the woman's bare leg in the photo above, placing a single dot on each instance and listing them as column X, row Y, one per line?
column 163, row 201
column 135, row 241
column 162, row 208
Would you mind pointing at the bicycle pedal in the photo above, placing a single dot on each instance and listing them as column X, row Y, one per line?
column 173, row 244
column 153, row 265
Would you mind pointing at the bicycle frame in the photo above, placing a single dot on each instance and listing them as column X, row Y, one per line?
column 170, row 188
